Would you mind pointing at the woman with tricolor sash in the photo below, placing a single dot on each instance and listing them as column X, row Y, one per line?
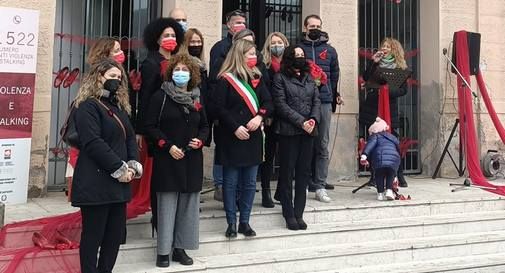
column 242, row 102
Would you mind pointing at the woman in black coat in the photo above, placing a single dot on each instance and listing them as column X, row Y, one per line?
column 107, row 163
column 242, row 101
column 298, row 110
column 177, row 123
column 162, row 37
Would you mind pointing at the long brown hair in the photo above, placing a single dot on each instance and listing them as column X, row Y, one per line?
column 187, row 38
column 101, row 49
column 92, row 85
column 235, row 61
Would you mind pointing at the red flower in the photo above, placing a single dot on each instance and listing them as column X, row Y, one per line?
column 161, row 143
column 198, row 106
column 318, row 74
column 324, row 55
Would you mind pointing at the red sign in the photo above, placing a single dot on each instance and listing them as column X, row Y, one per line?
column 16, row 105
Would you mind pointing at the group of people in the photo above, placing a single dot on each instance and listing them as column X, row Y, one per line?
column 254, row 105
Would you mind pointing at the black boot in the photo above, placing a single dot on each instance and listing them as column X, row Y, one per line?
column 292, row 224
column 231, row 231
column 401, row 179
column 179, row 255
column 246, row 229
column 301, row 224
column 163, row 261
column 266, row 198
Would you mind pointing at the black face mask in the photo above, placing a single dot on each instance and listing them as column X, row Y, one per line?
column 112, row 85
column 314, row 34
column 299, row 63
column 195, row 51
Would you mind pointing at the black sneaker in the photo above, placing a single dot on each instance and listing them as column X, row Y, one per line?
column 329, row 186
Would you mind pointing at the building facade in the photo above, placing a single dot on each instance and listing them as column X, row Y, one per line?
column 355, row 27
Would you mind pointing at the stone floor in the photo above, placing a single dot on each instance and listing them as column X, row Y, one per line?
column 421, row 189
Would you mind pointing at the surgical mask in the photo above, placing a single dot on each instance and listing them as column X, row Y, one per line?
column 169, row 44
column 181, row 78
column 252, row 61
column 184, row 25
column 238, row 27
column 277, row 51
column 314, row 34
column 112, row 85
column 119, row 57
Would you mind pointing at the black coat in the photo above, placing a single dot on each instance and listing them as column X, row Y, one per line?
column 103, row 148
column 150, row 71
column 369, row 101
column 296, row 101
column 232, row 112
column 175, row 127
column 217, row 56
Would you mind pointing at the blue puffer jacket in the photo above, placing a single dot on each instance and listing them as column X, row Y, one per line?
column 383, row 150
column 326, row 57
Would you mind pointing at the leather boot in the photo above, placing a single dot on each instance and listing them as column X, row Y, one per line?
column 163, row 261
column 266, row 199
column 401, row 179
column 179, row 255
column 246, row 229
column 231, row 231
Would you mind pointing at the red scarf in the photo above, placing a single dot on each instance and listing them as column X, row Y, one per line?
column 384, row 111
column 276, row 64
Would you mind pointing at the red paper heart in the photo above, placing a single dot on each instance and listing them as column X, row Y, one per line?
column 324, row 55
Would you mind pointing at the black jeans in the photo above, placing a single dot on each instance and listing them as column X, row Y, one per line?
column 267, row 167
column 295, row 154
column 103, row 226
column 382, row 174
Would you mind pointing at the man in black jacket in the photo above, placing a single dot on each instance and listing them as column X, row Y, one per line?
column 316, row 47
column 235, row 22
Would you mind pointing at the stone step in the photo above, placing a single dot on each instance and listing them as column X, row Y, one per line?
column 139, row 250
column 331, row 257
column 467, row 264
column 213, row 218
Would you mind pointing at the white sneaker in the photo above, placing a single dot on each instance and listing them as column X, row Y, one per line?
column 322, row 196
column 380, row 196
column 389, row 195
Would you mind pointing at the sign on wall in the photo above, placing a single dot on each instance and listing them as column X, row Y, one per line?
column 18, row 61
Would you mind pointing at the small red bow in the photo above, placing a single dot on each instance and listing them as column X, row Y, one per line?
column 163, row 68
column 255, row 82
column 135, row 79
column 198, row 106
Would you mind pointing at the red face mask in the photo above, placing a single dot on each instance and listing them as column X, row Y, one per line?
column 238, row 27
column 168, row 44
column 252, row 61
column 119, row 57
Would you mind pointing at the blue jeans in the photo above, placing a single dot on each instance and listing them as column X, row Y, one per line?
column 235, row 180
column 217, row 175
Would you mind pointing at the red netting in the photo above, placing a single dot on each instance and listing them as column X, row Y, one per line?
column 51, row 244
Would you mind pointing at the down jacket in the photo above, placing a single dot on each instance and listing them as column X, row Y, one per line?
column 383, row 150
column 295, row 100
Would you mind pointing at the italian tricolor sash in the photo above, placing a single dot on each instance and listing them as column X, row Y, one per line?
column 245, row 91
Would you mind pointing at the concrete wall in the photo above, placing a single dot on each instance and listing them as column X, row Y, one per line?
column 42, row 100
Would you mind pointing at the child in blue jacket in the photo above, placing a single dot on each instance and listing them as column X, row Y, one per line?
column 384, row 151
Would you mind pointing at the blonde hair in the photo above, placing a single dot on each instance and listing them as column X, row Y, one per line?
column 187, row 38
column 92, row 85
column 101, row 49
column 397, row 51
column 267, row 55
column 235, row 61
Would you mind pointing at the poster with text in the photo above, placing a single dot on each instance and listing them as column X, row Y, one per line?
column 18, row 62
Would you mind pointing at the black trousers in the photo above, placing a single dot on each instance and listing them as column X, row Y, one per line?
column 267, row 167
column 382, row 174
column 103, row 226
column 295, row 154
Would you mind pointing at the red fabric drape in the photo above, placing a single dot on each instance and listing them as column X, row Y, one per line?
column 467, row 124
column 384, row 111
column 49, row 244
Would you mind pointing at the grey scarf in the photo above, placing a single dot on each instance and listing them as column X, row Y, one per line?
column 185, row 98
column 388, row 62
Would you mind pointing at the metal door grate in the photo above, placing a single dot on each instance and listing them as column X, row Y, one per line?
column 78, row 24
column 397, row 19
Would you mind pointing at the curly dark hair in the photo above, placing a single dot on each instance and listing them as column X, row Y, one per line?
column 189, row 61
column 288, row 60
column 155, row 28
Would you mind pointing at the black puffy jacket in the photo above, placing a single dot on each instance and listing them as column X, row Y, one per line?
column 296, row 101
